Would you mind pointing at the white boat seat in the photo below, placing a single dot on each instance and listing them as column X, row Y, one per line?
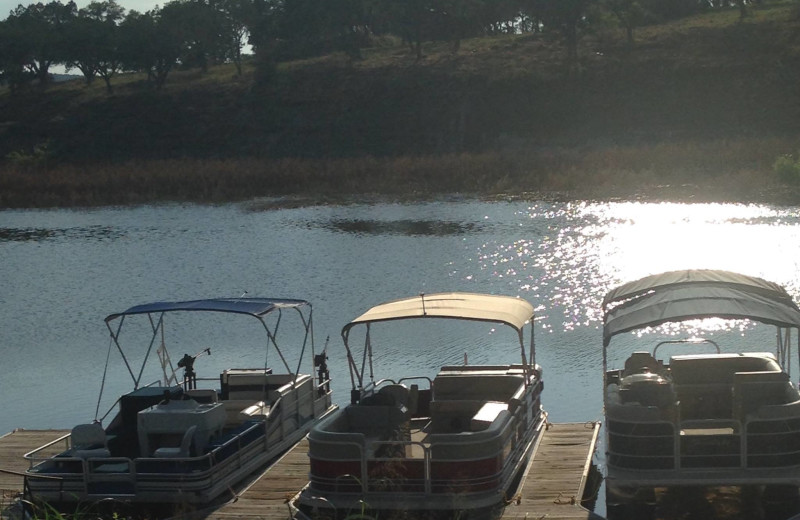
column 181, row 451
column 89, row 440
column 254, row 410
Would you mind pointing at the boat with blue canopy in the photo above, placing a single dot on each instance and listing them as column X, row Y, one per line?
column 189, row 440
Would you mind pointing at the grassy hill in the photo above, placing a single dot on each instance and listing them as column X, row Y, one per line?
column 695, row 105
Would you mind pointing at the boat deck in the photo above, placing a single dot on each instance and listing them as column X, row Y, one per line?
column 552, row 487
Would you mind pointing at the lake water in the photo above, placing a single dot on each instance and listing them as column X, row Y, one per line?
column 63, row 271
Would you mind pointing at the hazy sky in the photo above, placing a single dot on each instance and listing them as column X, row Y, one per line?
column 6, row 6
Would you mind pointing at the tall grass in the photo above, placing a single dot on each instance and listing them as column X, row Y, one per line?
column 729, row 170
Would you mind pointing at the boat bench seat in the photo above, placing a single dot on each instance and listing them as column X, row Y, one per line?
column 350, row 434
column 704, row 386
column 489, row 442
column 688, row 370
column 378, row 421
column 491, row 387
column 235, row 411
column 752, row 390
column 461, row 415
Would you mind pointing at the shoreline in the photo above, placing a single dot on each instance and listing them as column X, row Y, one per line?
column 723, row 171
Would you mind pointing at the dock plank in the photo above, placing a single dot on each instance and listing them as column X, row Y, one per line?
column 268, row 497
column 554, row 483
column 13, row 446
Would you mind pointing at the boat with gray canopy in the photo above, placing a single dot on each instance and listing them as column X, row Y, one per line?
column 710, row 417
column 189, row 440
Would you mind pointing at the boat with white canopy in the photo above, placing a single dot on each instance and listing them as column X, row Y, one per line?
column 189, row 440
column 414, row 444
column 700, row 419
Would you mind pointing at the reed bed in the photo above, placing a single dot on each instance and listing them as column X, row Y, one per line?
column 727, row 170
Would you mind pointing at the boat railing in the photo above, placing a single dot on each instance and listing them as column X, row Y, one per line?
column 754, row 442
column 402, row 465
column 687, row 341
column 35, row 456
column 231, row 451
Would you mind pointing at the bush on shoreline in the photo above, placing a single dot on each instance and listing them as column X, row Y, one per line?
column 727, row 170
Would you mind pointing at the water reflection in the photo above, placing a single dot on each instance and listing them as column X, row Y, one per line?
column 24, row 235
column 578, row 251
column 400, row 227
column 39, row 234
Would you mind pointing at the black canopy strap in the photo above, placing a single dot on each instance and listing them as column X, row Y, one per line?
column 103, row 381
column 309, row 333
column 115, row 339
column 155, row 328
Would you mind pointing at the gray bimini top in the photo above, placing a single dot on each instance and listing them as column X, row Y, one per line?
column 694, row 294
column 509, row 310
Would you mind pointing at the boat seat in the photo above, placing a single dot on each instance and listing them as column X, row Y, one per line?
column 375, row 420
column 203, row 395
column 254, row 410
column 400, row 393
column 181, row 451
column 752, row 390
column 638, row 362
column 453, row 415
column 89, row 440
column 482, row 387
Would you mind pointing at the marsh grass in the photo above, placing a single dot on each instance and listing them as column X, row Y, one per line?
column 727, row 170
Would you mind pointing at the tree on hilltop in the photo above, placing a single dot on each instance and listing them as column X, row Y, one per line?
column 40, row 29
column 91, row 41
column 13, row 57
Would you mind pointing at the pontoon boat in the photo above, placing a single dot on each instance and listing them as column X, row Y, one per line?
column 700, row 419
column 179, row 442
column 412, row 444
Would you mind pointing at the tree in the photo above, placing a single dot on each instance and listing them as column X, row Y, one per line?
column 196, row 26
column 410, row 19
column 150, row 43
column 264, row 29
column 109, row 56
column 238, row 15
column 41, row 31
column 673, row 9
column 570, row 17
column 13, row 56
column 629, row 13
column 314, row 27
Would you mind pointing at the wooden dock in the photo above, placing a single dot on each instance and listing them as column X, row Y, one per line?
column 12, row 448
column 268, row 497
column 552, row 487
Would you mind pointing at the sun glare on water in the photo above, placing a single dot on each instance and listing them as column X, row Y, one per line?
column 643, row 239
column 588, row 248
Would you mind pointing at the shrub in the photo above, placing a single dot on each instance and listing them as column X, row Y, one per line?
column 787, row 168
column 36, row 159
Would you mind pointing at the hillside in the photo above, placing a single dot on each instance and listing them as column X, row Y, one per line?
column 707, row 79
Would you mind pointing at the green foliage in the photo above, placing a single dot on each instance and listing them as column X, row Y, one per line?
column 38, row 158
column 40, row 29
column 787, row 168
